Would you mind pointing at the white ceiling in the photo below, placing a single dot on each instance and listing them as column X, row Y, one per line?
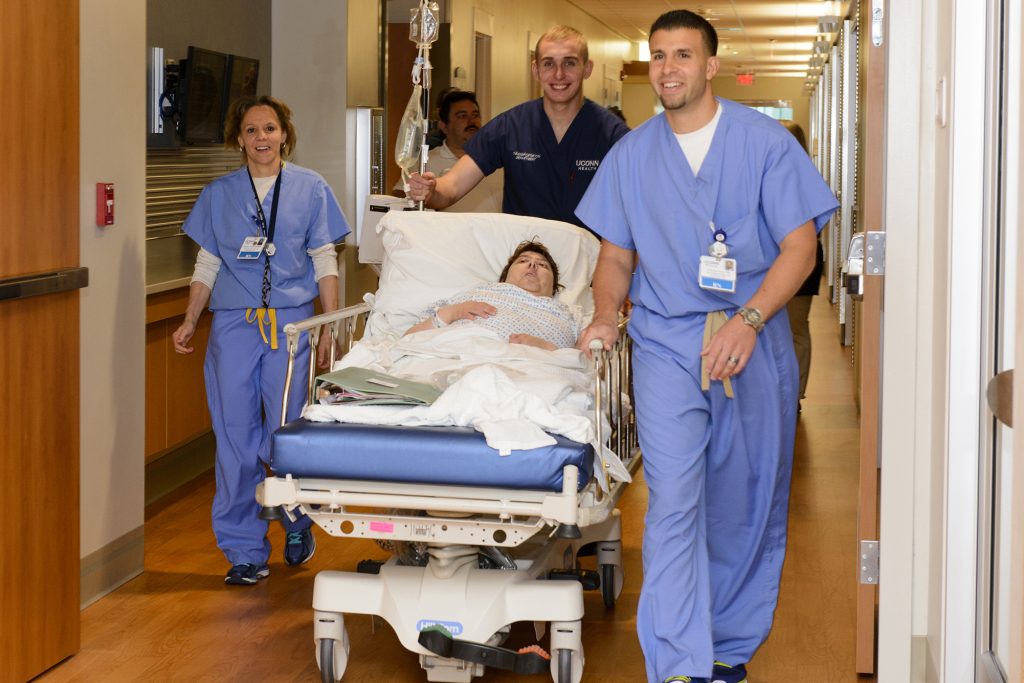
column 766, row 37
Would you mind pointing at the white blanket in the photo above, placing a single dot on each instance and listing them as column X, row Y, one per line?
column 512, row 393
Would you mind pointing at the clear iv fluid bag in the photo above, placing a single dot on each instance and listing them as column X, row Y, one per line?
column 409, row 145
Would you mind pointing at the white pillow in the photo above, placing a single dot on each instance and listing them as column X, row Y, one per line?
column 432, row 255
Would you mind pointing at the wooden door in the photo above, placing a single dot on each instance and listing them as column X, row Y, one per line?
column 39, row 377
column 871, row 134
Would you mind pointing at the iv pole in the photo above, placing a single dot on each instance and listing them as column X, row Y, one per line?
column 423, row 27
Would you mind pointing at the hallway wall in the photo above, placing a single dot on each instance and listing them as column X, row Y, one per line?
column 112, row 149
column 514, row 25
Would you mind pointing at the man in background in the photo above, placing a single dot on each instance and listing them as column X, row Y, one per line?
column 459, row 120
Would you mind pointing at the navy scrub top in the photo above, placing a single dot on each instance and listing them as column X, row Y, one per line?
column 543, row 177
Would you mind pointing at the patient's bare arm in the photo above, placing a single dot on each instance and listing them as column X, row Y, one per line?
column 446, row 315
column 530, row 340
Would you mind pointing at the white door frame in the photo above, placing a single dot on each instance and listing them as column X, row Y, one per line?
column 931, row 353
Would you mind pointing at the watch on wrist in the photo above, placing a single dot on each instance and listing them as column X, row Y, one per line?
column 752, row 317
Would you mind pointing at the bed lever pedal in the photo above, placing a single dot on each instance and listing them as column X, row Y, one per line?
column 438, row 640
column 570, row 531
column 590, row 579
column 369, row 567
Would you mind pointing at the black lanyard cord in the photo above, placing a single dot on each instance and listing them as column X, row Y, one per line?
column 266, row 231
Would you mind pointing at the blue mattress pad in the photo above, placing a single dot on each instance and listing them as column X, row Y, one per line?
column 424, row 455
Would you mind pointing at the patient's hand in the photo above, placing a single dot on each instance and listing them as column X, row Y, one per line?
column 530, row 340
column 467, row 310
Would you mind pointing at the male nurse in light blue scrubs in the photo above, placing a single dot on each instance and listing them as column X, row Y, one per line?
column 718, row 208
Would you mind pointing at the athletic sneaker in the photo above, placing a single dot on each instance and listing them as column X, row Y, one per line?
column 684, row 679
column 246, row 574
column 723, row 673
column 299, row 546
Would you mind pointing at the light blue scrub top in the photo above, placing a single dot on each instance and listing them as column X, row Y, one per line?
column 756, row 183
column 308, row 217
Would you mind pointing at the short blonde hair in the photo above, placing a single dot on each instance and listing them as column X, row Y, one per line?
column 562, row 33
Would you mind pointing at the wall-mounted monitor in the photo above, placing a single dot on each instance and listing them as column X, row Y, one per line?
column 202, row 91
column 243, row 75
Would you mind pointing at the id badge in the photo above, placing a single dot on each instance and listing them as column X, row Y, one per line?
column 717, row 274
column 252, row 247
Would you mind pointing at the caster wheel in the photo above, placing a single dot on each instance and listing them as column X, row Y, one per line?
column 611, row 584
column 567, row 666
column 332, row 657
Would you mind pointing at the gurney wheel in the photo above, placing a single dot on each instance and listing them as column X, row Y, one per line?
column 611, row 584
column 333, row 660
column 567, row 667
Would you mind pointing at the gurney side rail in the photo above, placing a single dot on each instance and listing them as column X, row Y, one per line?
column 341, row 325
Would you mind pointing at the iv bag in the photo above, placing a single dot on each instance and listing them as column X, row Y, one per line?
column 409, row 145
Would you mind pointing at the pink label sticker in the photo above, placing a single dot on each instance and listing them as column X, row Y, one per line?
column 383, row 527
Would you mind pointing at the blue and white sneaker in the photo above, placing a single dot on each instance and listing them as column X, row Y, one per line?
column 299, row 546
column 246, row 574
column 684, row 679
column 723, row 673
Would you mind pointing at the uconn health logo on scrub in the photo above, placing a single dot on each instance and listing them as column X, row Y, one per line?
column 587, row 165
column 453, row 627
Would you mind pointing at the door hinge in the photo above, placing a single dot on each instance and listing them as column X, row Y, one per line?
column 868, row 562
column 874, row 253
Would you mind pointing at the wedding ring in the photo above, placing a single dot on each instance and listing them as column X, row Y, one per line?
column 734, row 360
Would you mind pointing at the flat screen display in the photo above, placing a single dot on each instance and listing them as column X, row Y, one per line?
column 244, row 74
column 204, row 88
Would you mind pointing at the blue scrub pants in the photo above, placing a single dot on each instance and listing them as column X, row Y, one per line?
column 718, row 474
column 244, row 388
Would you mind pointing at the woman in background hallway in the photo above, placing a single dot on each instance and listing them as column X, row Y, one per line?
column 799, row 307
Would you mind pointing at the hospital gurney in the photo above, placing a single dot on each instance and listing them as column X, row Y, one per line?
column 471, row 531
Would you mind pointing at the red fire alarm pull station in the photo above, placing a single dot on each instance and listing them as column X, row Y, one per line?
column 104, row 204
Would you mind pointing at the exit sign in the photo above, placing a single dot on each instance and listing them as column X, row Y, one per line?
column 744, row 79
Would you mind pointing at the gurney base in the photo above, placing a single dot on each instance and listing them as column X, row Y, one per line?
column 475, row 605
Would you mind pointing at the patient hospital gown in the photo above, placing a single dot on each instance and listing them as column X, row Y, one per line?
column 717, row 469
column 519, row 312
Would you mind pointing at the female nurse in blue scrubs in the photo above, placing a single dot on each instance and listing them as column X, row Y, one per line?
column 266, row 234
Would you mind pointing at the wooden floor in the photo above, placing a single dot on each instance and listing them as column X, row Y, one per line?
column 179, row 622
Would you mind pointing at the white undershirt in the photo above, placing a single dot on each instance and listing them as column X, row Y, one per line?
column 263, row 186
column 695, row 145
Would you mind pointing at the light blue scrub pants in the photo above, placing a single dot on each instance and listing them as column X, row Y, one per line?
column 718, row 475
column 244, row 389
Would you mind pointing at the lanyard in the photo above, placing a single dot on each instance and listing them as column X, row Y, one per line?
column 267, row 232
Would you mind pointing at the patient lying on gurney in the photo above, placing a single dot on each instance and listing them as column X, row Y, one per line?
column 520, row 307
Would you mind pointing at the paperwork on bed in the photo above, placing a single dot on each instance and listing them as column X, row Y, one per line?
column 513, row 393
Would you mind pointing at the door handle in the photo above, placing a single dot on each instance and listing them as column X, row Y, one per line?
column 44, row 283
column 1000, row 397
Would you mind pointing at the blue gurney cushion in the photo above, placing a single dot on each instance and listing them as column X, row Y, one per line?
column 423, row 455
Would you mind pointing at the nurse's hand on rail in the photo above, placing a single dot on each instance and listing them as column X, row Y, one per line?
column 421, row 187
column 323, row 350
column 730, row 349
column 183, row 335
column 607, row 332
